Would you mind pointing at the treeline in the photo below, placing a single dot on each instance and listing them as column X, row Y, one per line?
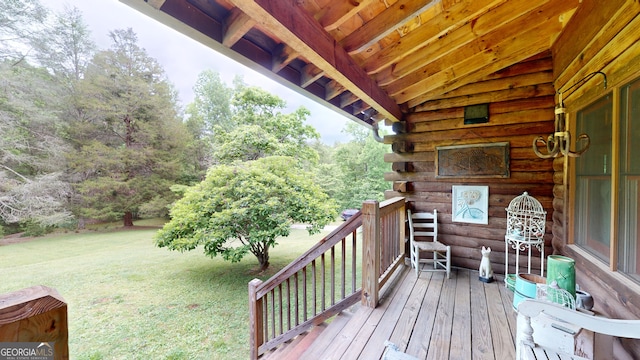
column 88, row 133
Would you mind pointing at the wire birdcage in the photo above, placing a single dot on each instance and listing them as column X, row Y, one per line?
column 526, row 219
column 526, row 223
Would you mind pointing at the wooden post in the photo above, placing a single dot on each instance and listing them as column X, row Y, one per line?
column 35, row 314
column 256, row 319
column 370, row 253
column 402, row 219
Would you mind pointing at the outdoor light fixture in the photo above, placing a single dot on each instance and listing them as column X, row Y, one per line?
column 559, row 142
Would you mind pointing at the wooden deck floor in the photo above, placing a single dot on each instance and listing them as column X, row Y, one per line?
column 428, row 317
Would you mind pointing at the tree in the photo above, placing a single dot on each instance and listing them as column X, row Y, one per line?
column 362, row 168
column 261, row 130
column 130, row 141
column 243, row 208
column 211, row 107
column 67, row 48
column 21, row 23
column 32, row 186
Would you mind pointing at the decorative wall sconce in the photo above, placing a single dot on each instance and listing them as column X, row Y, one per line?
column 559, row 142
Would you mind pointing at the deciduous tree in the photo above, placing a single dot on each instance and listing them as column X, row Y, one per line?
column 243, row 208
column 362, row 168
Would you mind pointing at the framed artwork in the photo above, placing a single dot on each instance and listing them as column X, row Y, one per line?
column 473, row 161
column 470, row 204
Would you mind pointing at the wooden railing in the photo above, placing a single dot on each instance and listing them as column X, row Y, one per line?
column 337, row 272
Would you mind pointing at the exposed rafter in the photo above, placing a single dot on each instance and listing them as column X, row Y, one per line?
column 236, row 25
column 395, row 16
column 337, row 12
column 290, row 23
column 374, row 59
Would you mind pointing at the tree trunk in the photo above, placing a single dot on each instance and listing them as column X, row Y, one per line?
column 128, row 219
column 263, row 259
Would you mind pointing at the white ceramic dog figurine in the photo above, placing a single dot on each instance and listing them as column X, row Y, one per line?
column 486, row 274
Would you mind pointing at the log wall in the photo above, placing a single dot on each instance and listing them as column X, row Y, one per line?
column 521, row 103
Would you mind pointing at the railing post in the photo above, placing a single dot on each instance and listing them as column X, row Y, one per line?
column 256, row 319
column 370, row 253
column 35, row 314
column 402, row 219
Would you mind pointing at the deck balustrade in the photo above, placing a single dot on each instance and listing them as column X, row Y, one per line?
column 348, row 265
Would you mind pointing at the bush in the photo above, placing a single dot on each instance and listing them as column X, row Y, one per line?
column 34, row 229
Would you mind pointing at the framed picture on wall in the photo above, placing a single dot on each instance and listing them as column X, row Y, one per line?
column 470, row 204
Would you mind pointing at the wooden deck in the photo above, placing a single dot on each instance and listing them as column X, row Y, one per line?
column 428, row 317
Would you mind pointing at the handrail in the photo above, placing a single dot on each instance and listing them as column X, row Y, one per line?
column 309, row 290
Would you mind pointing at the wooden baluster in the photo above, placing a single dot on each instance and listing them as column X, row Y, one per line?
column 273, row 312
column 354, row 261
column 343, row 269
column 333, row 275
column 297, row 305
column 304, row 294
column 313, row 280
column 324, row 282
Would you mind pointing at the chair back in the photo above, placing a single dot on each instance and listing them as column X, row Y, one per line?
column 423, row 224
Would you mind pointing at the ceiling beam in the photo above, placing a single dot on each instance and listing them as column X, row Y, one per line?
column 337, row 12
column 309, row 74
column 397, row 15
column 484, row 29
column 282, row 56
column 291, row 24
column 442, row 22
column 236, row 25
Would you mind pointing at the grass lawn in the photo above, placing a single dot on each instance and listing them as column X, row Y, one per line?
column 128, row 299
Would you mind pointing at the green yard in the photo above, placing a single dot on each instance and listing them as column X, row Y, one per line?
column 128, row 299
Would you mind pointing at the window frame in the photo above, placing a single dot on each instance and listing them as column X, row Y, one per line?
column 582, row 102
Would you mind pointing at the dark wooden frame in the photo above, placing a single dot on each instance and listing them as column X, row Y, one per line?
column 489, row 160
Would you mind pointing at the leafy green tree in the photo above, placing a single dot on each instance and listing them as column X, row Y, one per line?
column 262, row 130
column 326, row 171
column 130, row 140
column 362, row 168
column 243, row 208
column 211, row 107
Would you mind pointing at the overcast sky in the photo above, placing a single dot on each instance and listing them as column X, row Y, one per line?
column 183, row 58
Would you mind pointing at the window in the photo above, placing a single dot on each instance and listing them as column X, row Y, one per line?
column 629, row 181
column 593, row 179
column 596, row 180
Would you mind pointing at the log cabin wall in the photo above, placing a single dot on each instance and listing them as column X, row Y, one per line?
column 601, row 36
column 521, row 107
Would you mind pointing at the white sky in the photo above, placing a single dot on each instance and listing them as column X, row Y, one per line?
column 183, row 58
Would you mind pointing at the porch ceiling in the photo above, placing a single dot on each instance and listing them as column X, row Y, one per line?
column 370, row 59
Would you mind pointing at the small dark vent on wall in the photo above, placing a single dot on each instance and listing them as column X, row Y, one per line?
column 476, row 114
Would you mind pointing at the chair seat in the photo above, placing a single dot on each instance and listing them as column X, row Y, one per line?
column 430, row 246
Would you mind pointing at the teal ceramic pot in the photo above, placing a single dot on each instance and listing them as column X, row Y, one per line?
column 562, row 270
column 526, row 287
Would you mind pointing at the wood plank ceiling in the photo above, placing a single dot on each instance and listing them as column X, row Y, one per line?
column 371, row 59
